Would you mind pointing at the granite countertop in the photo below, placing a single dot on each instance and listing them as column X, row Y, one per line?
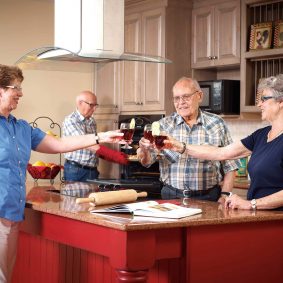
column 46, row 198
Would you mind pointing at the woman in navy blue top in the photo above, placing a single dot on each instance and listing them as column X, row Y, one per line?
column 265, row 146
column 17, row 139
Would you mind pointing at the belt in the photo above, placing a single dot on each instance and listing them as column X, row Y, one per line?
column 193, row 193
column 80, row 165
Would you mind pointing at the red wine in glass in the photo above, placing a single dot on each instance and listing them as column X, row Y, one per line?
column 147, row 133
column 128, row 134
column 159, row 141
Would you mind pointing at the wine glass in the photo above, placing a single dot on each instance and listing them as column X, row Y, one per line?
column 147, row 133
column 128, row 134
column 159, row 143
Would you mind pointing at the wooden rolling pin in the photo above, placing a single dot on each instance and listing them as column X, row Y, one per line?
column 112, row 197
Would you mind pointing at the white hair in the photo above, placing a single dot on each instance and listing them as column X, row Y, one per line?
column 275, row 84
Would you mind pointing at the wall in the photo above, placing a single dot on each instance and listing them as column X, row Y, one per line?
column 26, row 25
column 241, row 128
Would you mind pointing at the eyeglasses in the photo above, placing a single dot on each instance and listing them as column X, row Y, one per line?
column 17, row 88
column 185, row 97
column 91, row 105
column 264, row 98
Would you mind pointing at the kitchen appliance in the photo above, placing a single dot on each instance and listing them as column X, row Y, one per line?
column 150, row 185
column 221, row 96
column 134, row 175
column 83, row 189
column 87, row 31
column 134, row 170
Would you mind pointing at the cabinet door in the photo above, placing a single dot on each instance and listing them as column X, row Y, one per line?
column 153, row 75
column 106, row 87
column 143, row 83
column 131, row 70
column 227, row 33
column 106, row 122
column 202, row 37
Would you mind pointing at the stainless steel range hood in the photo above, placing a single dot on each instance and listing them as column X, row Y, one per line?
column 88, row 31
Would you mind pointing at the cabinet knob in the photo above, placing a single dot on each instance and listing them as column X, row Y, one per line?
column 209, row 57
column 141, row 103
column 214, row 57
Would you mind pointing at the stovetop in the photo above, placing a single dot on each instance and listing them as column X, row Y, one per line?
column 80, row 189
column 151, row 186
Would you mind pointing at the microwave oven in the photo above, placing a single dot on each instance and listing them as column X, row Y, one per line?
column 221, row 96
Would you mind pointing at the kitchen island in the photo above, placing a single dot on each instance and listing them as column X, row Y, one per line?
column 60, row 241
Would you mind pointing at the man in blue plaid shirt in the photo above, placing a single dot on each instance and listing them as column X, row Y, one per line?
column 81, row 165
column 182, row 175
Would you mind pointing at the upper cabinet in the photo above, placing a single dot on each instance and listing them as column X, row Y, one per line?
column 159, row 28
column 106, row 87
column 143, row 83
column 257, row 63
column 152, row 27
column 215, row 34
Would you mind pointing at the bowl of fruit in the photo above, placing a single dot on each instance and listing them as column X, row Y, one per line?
column 41, row 170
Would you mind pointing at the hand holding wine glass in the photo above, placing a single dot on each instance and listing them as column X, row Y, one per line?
column 159, row 137
column 128, row 130
column 147, row 133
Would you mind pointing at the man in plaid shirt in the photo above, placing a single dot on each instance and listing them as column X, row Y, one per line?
column 81, row 165
column 182, row 175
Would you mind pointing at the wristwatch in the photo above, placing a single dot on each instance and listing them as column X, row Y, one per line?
column 253, row 203
column 229, row 194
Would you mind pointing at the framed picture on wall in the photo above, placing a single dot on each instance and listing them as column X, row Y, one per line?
column 261, row 35
column 278, row 34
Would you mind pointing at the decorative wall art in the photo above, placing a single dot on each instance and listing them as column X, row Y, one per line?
column 278, row 34
column 261, row 35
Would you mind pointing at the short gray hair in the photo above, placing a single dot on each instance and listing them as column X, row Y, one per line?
column 189, row 81
column 275, row 84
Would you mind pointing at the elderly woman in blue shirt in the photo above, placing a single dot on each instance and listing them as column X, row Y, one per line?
column 17, row 140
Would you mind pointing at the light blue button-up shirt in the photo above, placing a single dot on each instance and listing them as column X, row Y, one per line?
column 17, row 139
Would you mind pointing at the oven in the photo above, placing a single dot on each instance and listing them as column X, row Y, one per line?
column 134, row 175
column 134, row 170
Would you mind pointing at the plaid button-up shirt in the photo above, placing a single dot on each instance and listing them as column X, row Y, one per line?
column 74, row 125
column 183, row 171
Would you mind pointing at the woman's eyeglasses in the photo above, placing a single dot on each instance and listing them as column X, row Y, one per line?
column 17, row 88
column 91, row 105
column 264, row 98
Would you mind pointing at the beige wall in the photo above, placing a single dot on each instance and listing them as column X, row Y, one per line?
column 24, row 26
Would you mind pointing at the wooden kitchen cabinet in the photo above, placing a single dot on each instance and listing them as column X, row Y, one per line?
column 152, row 27
column 106, row 122
column 143, row 83
column 106, row 87
column 257, row 64
column 159, row 28
column 215, row 34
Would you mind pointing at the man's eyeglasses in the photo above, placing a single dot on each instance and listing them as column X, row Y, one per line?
column 185, row 97
column 17, row 88
column 91, row 105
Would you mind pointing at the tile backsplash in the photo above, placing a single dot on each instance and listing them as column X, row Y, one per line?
column 242, row 128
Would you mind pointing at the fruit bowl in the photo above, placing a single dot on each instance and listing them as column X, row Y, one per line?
column 43, row 172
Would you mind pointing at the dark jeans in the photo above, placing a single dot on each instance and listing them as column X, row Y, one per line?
column 74, row 173
column 169, row 192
